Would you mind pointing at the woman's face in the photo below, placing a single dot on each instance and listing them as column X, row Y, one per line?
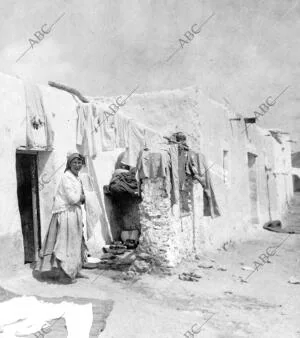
column 76, row 166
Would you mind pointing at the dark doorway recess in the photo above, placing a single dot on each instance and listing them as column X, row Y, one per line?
column 28, row 199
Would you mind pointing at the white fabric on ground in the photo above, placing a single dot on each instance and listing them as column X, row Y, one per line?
column 27, row 315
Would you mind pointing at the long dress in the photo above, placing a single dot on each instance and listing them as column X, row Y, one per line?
column 64, row 244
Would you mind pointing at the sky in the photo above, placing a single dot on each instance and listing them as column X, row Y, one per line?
column 246, row 52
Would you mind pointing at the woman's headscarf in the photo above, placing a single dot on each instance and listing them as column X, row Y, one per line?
column 71, row 157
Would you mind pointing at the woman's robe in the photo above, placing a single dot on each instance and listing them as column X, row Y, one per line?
column 64, row 246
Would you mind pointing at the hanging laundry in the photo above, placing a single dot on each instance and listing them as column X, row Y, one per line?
column 182, row 162
column 92, row 206
column 211, row 207
column 39, row 132
column 136, row 143
column 173, row 151
column 104, row 127
column 85, row 136
column 121, row 130
column 152, row 164
column 153, row 140
column 105, row 234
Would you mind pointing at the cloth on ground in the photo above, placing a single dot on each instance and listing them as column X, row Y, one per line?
column 22, row 316
column 136, row 142
column 39, row 132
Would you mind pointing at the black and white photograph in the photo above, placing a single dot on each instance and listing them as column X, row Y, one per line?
column 150, row 168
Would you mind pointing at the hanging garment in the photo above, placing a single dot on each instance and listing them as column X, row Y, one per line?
column 39, row 132
column 211, row 207
column 173, row 151
column 104, row 128
column 121, row 130
column 85, row 136
column 136, row 143
column 182, row 164
column 103, row 233
column 152, row 164
column 92, row 206
column 153, row 140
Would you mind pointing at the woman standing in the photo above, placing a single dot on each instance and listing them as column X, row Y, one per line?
column 64, row 246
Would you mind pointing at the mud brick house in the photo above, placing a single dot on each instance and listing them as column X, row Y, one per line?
column 249, row 167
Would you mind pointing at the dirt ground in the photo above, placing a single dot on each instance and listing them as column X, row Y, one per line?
column 219, row 304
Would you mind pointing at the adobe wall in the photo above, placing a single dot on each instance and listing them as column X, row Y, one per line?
column 209, row 130
column 62, row 108
column 168, row 234
column 12, row 113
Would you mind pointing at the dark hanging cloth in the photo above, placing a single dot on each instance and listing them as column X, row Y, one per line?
column 194, row 165
column 182, row 166
column 211, row 207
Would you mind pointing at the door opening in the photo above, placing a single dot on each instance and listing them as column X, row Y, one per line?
column 252, row 172
column 28, row 200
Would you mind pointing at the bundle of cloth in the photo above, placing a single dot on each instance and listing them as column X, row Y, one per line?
column 123, row 182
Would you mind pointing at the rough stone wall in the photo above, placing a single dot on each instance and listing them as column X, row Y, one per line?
column 170, row 233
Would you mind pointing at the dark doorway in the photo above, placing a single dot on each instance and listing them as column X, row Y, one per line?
column 252, row 174
column 28, row 199
column 296, row 182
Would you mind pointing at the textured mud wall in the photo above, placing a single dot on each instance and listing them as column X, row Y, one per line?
column 168, row 233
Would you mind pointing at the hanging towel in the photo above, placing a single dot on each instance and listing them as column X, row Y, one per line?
column 104, row 128
column 39, row 132
column 121, row 130
column 136, row 143
column 85, row 136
